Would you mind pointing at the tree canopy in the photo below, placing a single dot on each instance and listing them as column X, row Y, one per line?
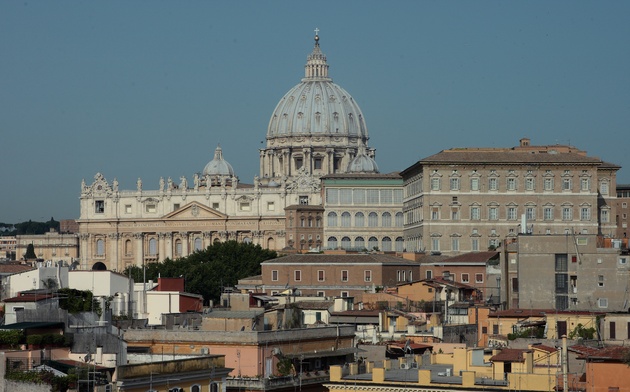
column 29, row 227
column 207, row 271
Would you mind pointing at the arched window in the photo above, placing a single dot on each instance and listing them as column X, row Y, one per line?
column 345, row 219
column 152, row 247
column 359, row 219
column 400, row 244
column 345, row 243
column 214, row 387
column 332, row 242
column 372, row 243
column 359, row 243
column 373, row 219
column 178, row 247
column 128, row 248
column 399, row 219
column 332, row 219
column 100, row 247
column 197, row 243
column 387, row 244
column 247, row 240
column 271, row 243
column 197, row 388
column 387, row 219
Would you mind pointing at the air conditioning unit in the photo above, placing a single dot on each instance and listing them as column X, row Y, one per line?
column 404, row 366
column 205, row 351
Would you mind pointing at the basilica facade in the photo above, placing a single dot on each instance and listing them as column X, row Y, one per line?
column 317, row 129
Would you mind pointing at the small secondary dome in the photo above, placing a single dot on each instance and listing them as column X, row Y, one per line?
column 218, row 166
column 362, row 163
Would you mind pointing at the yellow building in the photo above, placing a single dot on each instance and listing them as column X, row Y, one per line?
column 465, row 369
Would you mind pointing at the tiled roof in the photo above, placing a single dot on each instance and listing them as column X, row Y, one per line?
column 520, row 313
column 6, row 269
column 357, row 313
column 29, row 298
column 473, row 257
column 314, row 305
column 341, row 259
column 510, row 355
column 543, row 347
column 504, row 156
column 614, row 353
column 436, row 282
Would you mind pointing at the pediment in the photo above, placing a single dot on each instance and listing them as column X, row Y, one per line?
column 195, row 210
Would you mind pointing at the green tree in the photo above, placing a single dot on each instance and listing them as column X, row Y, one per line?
column 206, row 271
column 30, row 252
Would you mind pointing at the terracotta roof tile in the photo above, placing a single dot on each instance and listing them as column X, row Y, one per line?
column 473, row 257
column 503, row 156
column 341, row 259
column 510, row 355
column 611, row 353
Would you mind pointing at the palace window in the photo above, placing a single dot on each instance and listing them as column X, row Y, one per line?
column 529, row 184
column 511, row 184
column 493, row 184
column 474, row 184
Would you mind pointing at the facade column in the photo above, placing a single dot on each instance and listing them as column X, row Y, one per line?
column 84, row 249
column 139, row 237
column 185, row 245
column 161, row 246
column 112, row 254
column 330, row 160
column 207, row 239
column 169, row 245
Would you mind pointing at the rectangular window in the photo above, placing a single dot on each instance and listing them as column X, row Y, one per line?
column 344, row 275
column 474, row 184
column 605, row 216
column 549, row 184
column 150, row 208
column 475, row 213
column 429, row 274
column 455, row 214
column 271, row 206
column 274, row 275
column 454, row 184
column 455, row 244
column 244, row 206
column 317, row 163
column 303, row 200
column 493, row 184
column 435, row 243
column 566, row 184
column 321, row 276
column 175, row 206
column 298, row 162
column 548, row 213
column 515, row 285
column 215, row 206
column 585, row 214
column 511, row 184
column 332, row 196
column 345, row 294
column 585, row 184
column 435, row 184
column 567, row 213
column 372, row 196
column 435, row 213
column 297, row 275
column 367, row 276
column 475, row 245
column 602, row 302
column 530, row 213
column 478, row 278
column 495, row 329
column 464, row 278
column 321, row 293
column 600, row 280
column 529, row 184
column 562, row 263
column 493, row 213
column 127, row 208
column 612, row 326
column 99, row 206
column 623, row 260
column 511, row 213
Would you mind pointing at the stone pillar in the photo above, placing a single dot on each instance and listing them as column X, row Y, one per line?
column 207, row 239
column 139, row 237
column 185, row 244
column 112, row 254
column 168, row 245
column 84, row 249
column 161, row 245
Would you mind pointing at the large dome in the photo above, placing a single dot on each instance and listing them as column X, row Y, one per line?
column 317, row 127
column 317, row 105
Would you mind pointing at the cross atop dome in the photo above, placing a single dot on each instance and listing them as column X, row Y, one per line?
column 316, row 66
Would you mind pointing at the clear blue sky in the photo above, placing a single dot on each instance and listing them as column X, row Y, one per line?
column 148, row 88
